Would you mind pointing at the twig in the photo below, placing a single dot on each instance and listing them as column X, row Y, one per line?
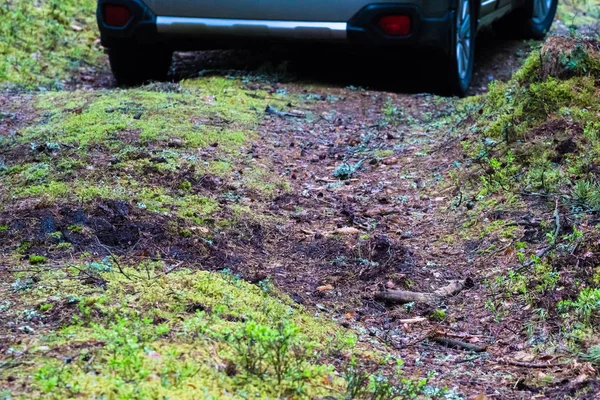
column 404, row 296
column 412, row 320
column 523, row 364
column 556, row 221
column 112, row 256
column 457, row 344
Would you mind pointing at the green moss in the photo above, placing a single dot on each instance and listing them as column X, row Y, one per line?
column 198, row 349
column 43, row 43
column 512, row 154
column 220, row 168
column 35, row 259
column 438, row 315
column 185, row 185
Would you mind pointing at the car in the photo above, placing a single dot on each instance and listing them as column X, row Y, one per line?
column 141, row 35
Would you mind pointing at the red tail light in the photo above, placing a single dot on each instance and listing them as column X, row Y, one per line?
column 395, row 25
column 116, row 15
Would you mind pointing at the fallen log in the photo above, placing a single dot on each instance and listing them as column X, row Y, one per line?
column 405, row 296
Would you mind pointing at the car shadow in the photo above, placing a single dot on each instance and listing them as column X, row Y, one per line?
column 496, row 59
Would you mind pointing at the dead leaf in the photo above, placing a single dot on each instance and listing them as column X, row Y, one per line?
column 201, row 229
column 523, row 356
column 325, row 288
column 76, row 28
column 347, row 230
column 481, row 396
column 350, row 315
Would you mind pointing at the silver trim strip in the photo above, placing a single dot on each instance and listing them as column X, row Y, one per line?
column 252, row 28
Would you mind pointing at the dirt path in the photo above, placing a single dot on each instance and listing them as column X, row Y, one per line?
column 401, row 231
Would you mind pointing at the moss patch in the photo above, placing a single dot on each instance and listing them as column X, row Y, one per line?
column 187, row 334
column 534, row 152
column 44, row 43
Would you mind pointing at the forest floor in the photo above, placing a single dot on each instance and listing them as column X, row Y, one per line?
column 321, row 183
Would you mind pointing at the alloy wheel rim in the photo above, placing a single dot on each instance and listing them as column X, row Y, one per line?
column 463, row 38
column 541, row 9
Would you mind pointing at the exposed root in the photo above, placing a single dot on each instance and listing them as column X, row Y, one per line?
column 457, row 344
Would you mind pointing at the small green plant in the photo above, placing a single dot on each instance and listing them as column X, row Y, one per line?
column 586, row 195
column 592, row 130
column 75, row 228
column 345, row 170
column 586, row 307
column 23, row 247
column 592, row 355
column 361, row 384
column 185, row 185
column 162, row 329
column 259, row 347
column 64, row 246
column 3, row 228
column 97, row 267
column 55, row 235
column 46, row 306
column 356, row 380
column 20, row 285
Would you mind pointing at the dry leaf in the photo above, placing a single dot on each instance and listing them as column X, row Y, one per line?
column 201, row 229
column 76, row 28
column 325, row 288
column 523, row 356
column 347, row 230
column 481, row 396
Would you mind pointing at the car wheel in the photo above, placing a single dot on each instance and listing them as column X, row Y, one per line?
column 531, row 21
column 462, row 50
column 134, row 65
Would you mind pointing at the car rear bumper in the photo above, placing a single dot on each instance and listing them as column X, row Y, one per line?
column 260, row 29
column 361, row 31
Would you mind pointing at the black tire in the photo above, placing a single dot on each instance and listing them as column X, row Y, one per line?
column 134, row 64
column 460, row 73
column 523, row 24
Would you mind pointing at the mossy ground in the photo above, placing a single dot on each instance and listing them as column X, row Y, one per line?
column 532, row 172
column 151, row 236
column 44, row 43
column 138, row 333
column 104, row 196
column 579, row 13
